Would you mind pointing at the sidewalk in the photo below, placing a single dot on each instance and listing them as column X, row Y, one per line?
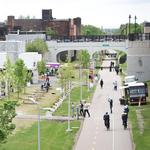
column 94, row 135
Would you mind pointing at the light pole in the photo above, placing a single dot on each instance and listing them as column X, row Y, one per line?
column 135, row 25
column 39, row 142
column 69, row 129
column 129, row 23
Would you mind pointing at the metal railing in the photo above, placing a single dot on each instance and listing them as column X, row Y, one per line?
column 91, row 38
column 139, row 37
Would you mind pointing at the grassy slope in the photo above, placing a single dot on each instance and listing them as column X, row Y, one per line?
column 75, row 97
column 53, row 137
column 141, row 140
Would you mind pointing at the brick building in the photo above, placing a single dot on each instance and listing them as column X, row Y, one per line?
column 63, row 27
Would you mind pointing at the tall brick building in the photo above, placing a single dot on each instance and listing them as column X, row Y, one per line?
column 63, row 27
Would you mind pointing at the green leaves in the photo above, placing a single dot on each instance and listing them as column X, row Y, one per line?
column 37, row 45
column 7, row 113
column 41, row 67
column 91, row 30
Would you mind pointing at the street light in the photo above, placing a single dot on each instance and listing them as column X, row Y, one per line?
column 39, row 142
column 69, row 129
column 129, row 23
column 135, row 24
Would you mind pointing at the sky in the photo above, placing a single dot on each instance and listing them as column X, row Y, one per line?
column 100, row 13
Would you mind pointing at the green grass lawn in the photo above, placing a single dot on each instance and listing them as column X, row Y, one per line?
column 142, row 141
column 53, row 137
column 75, row 98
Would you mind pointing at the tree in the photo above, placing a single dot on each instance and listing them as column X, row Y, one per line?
column 50, row 31
column 124, row 28
column 84, row 59
column 37, row 45
column 91, row 30
column 41, row 67
column 8, row 75
column 7, row 113
column 20, row 72
column 66, row 73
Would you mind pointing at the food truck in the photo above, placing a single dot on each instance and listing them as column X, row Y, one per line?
column 134, row 93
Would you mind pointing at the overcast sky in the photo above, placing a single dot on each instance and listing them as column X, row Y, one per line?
column 100, row 13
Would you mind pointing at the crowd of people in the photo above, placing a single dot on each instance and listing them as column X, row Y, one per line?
column 81, row 109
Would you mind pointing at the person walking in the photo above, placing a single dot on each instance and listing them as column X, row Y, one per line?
column 126, row 109
column 110, row 104
column 86, row 109
column 73, row 110
column 124, row 117
column 115, row 85
column 81, row 109
column 101, row 83
column 77, row 111
column 106, row 119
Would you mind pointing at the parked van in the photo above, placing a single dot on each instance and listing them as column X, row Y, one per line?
column 135, row 93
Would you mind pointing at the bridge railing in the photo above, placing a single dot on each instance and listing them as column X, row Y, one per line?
column 90, row 38
column 139, row 37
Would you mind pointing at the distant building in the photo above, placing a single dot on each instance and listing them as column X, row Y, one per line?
column 146, row 27
column 63, row 27
column 3, row 31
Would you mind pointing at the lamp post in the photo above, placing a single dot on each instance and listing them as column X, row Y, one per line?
column 135, row 25
column 39, row 142
column 129, row 23
column 69, row 129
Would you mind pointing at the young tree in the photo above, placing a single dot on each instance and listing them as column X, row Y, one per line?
column 20, row 72
column 91, row 30
column 84, row 59
column 41, row 67
column 37, row 45
column 7, row 113
column 50, row 32
column 8, row 75
column 66, row 73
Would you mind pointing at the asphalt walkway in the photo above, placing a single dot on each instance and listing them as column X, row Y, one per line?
column 94, row 135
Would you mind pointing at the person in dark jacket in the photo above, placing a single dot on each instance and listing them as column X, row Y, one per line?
column 111, row 104
column 101, row 83
column 106, row 119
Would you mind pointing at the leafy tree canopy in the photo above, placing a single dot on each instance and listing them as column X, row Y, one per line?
column 37, row 45
column 41, row 67
column 7, row 113
column 124, row 28
column 50, row 31
column 91, row 30
column 84, row 57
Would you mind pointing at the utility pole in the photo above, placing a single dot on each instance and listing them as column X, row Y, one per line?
column 39, row 142
column 69, row 129
column 135, row 25
column 129, row 23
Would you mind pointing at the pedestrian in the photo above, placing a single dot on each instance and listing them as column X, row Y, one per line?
column 86, row 109
column 110, row 104
column 110, row 68
column 77, row 111
column 126, row 109
column 81, row 108
column 124, row 117
column 117, row 69
column 106, row 119
column 73, row 110
column 101, row 83
column 115, row 85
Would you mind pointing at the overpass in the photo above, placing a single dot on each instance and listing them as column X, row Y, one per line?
column 90, row 43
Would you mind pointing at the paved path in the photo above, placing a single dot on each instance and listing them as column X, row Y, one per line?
column 35, row 117
column 94, row 135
